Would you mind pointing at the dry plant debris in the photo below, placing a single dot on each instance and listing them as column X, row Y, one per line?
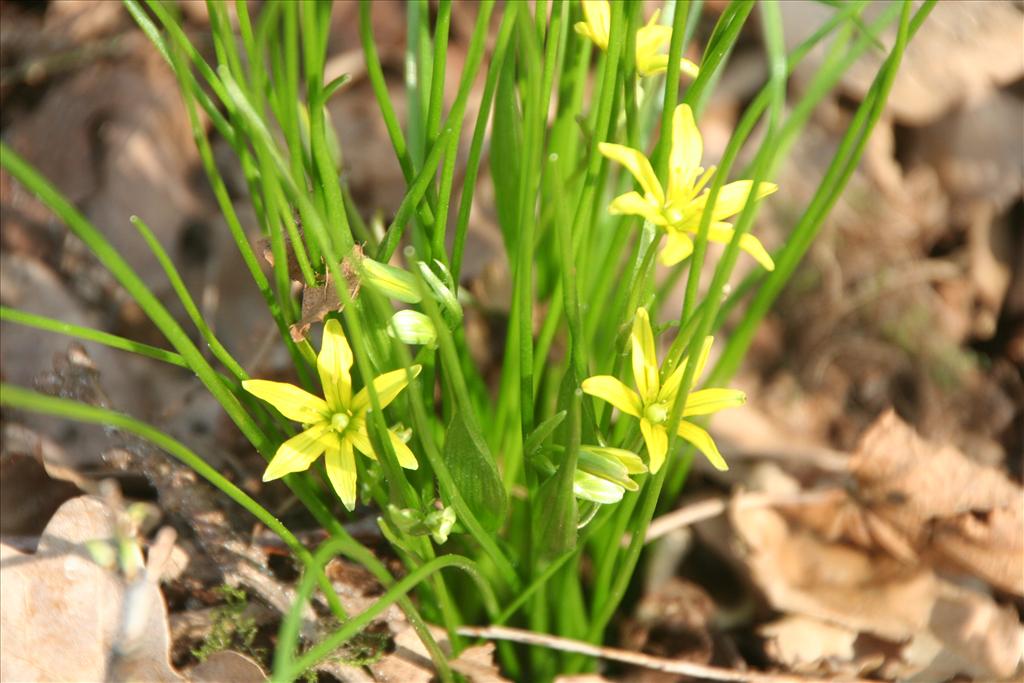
column 875, row 574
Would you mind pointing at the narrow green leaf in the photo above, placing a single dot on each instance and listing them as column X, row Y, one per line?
column 474, row 472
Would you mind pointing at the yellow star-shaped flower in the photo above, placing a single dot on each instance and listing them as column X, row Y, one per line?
column 652, row 402
column 649, row 40
column 335, row 424
column 679, row 210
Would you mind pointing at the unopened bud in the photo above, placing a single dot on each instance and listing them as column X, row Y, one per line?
column 390, row 281
column 412, row 327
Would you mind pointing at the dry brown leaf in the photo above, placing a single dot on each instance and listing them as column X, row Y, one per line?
column 799, row 572
column 969, row 515
column 54, row 625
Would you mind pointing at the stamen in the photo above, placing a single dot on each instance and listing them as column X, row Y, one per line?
column 704, row 179
column 339, row 421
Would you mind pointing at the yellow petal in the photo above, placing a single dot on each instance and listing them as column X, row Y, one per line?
column 678, row 247
column 360, row 438
column 291, row 401
column 723, row 233
column 645, row 359
column 598, row 16
column 615, row 392
column 708, row 401
column 637, row 164
column 649, row 41
column 656, row 439
column 340, row 464
column 334, row 365
column 388, row 386
column 687, row 150
column 633, row 204
column 671, row 385
column 704, row 443
column 732, row 198
column 298, row 453
column 651, row 65
column 405, row 455
column 689, row 68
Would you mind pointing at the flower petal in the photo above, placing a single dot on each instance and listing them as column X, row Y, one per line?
column 689, row 68
column 671, row 385
column 334, row 365
column 360, row 438
column 656, row 439
column 637, row 164
column 645, row 358
column 388, row 386
column 708, row 401
column 633, row 204
column 723, row 233
column 678, row 247
column 292, row 402
column 704, row 443
column 598, row 17
column 340, row 464
column 298, row 453
column 613, row 391
column 732, row 198
column 405, row 455
column 687, row 150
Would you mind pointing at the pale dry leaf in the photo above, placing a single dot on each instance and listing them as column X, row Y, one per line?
column 969, row 515
column 798, row 572
column 962, row 51
column 410, row 661
column 803, row 643
column 54, row 626
column 227, row 666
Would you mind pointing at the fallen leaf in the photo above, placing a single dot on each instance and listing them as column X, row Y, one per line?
column 54, row 625
column 228, row 667
column 970, row 516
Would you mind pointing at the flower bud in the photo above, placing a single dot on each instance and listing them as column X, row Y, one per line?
column 444, row 291
column 412, row 327
column 392, row 282
column 595, row 489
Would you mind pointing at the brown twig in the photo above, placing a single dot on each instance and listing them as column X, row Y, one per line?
column 673, row 666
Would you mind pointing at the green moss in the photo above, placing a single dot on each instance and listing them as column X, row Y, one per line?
column 231, row 630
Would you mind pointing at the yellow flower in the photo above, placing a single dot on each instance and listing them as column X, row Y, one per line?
column 649, row 40
column 652, row 402
column 679, row 209
column 335, row 424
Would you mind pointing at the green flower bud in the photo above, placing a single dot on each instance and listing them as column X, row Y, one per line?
column 412, row 327
column 392, row 282
column 595, row 489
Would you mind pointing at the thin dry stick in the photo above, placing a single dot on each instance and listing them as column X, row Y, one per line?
column 706, row 509
column 672, row 666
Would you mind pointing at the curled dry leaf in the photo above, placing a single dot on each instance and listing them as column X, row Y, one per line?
column 318, row 300
column 54, row 626
column 969, row 516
